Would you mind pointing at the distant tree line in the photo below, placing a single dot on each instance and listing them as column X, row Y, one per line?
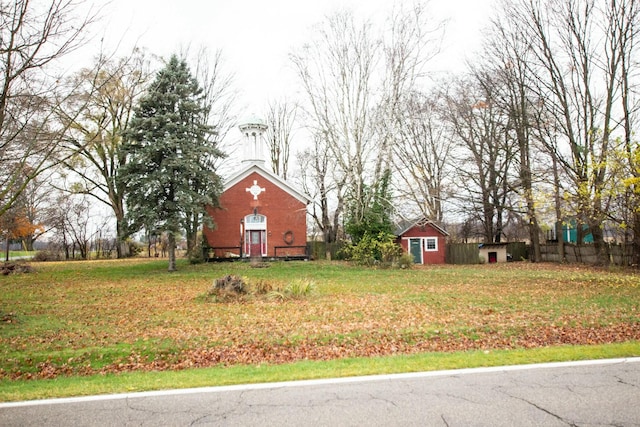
column 537, row 132
column 540, row 130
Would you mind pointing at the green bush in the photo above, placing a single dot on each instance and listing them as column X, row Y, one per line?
column 366, row 251
column 390, row 251
column 299, row 288
column 380, row 249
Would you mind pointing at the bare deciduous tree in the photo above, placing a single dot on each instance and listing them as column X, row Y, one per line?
column 581, row 49
column 69, row 221
column 281, row 117
column 506, row 67
column 484, row 156
column 319, row 180
column 409, row 43
column 94, row 141
column 337, row 72
column 32, row 37
column 355, row 76
column 422, row 156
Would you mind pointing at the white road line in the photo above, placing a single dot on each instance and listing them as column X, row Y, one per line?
column 327, row 381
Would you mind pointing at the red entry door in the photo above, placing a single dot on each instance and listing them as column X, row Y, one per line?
column 255, row 243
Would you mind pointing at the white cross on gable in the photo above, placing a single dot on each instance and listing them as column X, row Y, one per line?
column 255, row 190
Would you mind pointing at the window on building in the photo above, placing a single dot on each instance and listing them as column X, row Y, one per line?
column 431, row 244
column 255, row 219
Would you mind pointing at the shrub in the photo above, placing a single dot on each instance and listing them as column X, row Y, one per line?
column 47, row 255
column 261, row 287
column 390, row 251
column 295, row 290
column 201, row 246
column 133, row 248
column 364, row 253
column 196, row 255
column 234, row 288
column 8, row 268
column 299, row 288
column 228, row 288
column 374, row 250
column 405, row 261
column 230, row 283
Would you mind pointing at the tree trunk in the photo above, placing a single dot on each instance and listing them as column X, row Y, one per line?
column 602, row 257
column 192, row 232
column 172, row 250
column 498, row 228
column 635, row 256
column 526, row 178
column 327, row 244
column 558, row 209
column 119, row 239
column 560, row 236
column 28, row 242
column 534, row 235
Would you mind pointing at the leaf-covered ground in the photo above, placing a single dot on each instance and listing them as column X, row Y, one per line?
column 117, row 316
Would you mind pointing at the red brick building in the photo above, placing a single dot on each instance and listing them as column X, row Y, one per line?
column 424, row 240
column 260, row 214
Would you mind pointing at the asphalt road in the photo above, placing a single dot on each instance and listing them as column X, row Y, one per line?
column 597, row 393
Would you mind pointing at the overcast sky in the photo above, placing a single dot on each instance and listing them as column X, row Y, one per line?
column 256, row 35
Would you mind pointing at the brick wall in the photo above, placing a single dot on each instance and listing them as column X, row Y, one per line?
column 286, row 217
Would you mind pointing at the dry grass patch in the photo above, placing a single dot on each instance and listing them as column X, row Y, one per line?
column 115, row 316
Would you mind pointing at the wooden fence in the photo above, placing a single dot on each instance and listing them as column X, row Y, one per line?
column 462, row 253
column 468, row 253
column 519, row 251
column 318, row 249
column 618, row 254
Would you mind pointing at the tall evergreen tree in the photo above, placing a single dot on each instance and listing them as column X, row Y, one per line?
column 169, row 174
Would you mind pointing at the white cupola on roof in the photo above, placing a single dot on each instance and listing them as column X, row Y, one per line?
column 253, row 130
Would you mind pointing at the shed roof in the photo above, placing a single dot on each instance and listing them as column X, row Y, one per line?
column 493, row 245
column 405, row 225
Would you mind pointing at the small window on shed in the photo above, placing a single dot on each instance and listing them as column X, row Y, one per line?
column 431, row 244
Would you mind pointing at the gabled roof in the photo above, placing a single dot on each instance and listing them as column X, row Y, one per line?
column 275, row 179
column 405, row 225
column 492, row 244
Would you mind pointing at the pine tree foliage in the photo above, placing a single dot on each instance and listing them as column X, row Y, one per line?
column 170, row 173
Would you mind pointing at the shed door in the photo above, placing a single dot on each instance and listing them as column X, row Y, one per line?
column 415, row 248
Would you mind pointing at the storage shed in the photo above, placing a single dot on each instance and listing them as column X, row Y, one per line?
column 493, row 252
column 424, row 240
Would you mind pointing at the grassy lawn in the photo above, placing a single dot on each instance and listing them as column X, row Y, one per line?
column 129, row 325
column 18, row 254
